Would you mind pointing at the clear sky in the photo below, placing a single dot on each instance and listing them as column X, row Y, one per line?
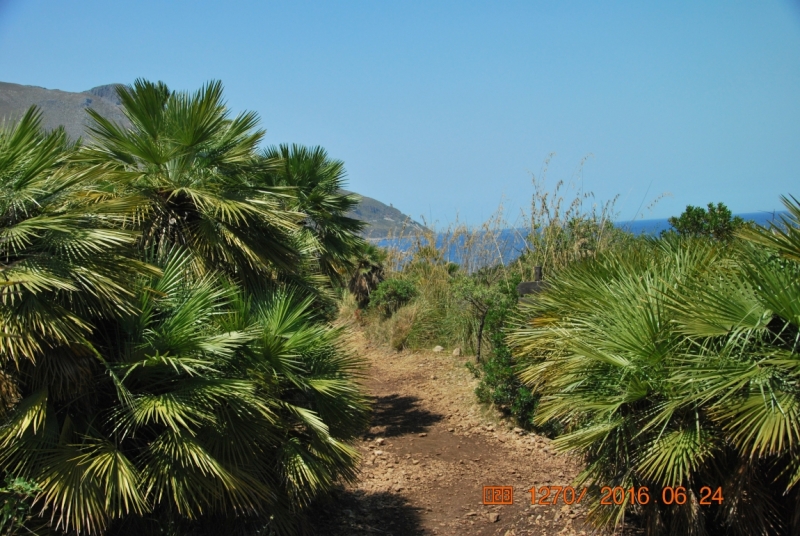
column 442, row 108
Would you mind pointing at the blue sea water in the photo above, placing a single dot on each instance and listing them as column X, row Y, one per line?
column 510, row 243
column 654, row 227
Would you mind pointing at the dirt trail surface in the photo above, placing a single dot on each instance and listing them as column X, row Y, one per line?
column 431, row 449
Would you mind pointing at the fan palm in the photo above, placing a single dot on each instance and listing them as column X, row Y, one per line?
column 209, row 403
column 141, row 399
column 195, row 166
column 318, row 182
column 63, row 261
column 675, row 365
column 367, row 273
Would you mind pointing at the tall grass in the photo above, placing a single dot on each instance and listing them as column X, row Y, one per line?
column 563, row 224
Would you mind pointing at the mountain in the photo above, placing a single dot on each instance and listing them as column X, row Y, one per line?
column 69, row 109
column 383, row 220
column 60, row 107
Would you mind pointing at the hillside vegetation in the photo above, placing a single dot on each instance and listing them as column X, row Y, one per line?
column 668, row 364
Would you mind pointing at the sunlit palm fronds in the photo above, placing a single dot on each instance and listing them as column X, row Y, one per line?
column 209, row 402
column 152, row 372
column 63, row 258
column 193, row 165
column 317, row 181
column 782, row 238
column 674, row 365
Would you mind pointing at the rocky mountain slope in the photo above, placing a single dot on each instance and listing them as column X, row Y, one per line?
column 60, row 107
column 69, row 109
column 383, row 220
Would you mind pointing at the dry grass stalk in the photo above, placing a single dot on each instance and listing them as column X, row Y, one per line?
column 563, row 224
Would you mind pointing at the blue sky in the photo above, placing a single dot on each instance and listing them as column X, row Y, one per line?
column 443, row 108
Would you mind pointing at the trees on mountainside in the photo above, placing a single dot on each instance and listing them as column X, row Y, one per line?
column 157, row 371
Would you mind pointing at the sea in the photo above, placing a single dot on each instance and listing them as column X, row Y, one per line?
column 654, row 227
column 510, row 243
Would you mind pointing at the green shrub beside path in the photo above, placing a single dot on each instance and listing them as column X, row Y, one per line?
column 166, row 365
column 676, row 365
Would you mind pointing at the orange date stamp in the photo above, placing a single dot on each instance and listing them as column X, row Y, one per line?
column 498, row 495
column 617, row 495
column 550, row 495
column 669, row 495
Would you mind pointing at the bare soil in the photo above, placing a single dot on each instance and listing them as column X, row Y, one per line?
column 430, row 450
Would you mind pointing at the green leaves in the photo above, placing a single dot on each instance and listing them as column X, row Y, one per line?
column 676, row 364
column 392, row 294
column 15, row 510
column 195, row 416
column 784, row 238
column 317, row 182
column 367, row 273
column 61, row 259
column 154, row 363
column 194, row 166
column 715, row 222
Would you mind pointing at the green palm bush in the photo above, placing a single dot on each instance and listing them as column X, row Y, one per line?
column 598, row 354
column 62, row 256
column 317, row 181
column 675, row 365
column 367, row 273
column 208, row 402
column 198, row 175
column 157, row 374
column 63, row 260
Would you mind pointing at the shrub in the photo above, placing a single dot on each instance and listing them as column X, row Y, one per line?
column 402, row 323
column 499, row 384
column 482, row 296
column 444, row 323
column 15, row 505
column 714, row 222
column 675, row 365
column 501, row 387
column 391, row 295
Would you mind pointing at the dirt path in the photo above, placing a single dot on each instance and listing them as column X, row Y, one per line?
column 430, row 451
